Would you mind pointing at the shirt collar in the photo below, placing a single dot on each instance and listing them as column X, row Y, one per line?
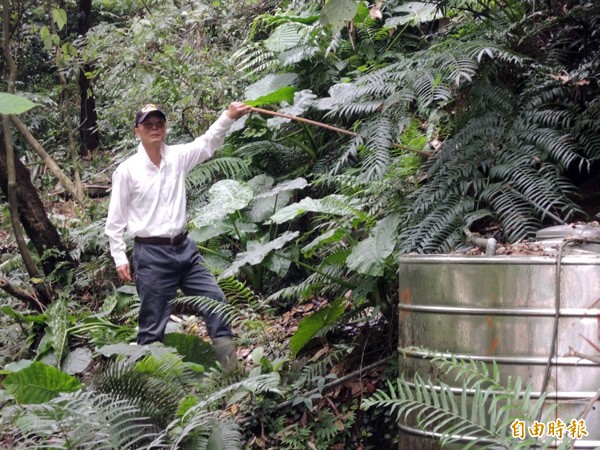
column 142, row 151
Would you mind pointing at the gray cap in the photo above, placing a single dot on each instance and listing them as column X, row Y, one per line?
column 147, row 109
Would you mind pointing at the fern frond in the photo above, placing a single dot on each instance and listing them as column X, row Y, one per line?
column 207, row 305
column 378, row 157
column 86, row 420
column 237, row 291
column 155, row 399
column 255, row 59
column 315, row 283
column 310, row 373
column 254, row 384
column 224, row 435
column 514, row 211
column 207, row 431
column 348, row 157
column 207, row 173
column 480, row 409
column 439, row 229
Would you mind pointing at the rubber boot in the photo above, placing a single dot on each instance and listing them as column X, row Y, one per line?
column 225, row 353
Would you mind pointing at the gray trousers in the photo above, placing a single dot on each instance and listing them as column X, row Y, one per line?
column 159, row 270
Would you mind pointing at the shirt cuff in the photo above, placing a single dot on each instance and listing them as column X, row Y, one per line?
column 120, row 259
column 226, row 118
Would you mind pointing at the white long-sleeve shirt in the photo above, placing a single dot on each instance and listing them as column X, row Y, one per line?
column 151, row 201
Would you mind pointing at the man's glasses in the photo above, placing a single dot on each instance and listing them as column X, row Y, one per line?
column 148, row 125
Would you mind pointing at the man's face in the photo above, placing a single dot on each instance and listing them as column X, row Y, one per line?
column 152, row 129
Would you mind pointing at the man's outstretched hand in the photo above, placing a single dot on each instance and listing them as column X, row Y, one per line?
column 124, row 272
column 237, row 110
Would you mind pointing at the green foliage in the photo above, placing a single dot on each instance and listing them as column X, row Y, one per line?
column 317, row 322
column 228, row 311
column 232, row 210
column 209, row 172
column 82, row 419
column 192, row 348
column 57, row 325
column 325, row 429
column 483, row 410
column 369, row 255
column 14, row 104
column 467, row 113
column 271, row 89
column 337, row 12
column 38, row 383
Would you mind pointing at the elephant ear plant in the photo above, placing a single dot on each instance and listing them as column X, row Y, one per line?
column 251, row 229
column 232, row 223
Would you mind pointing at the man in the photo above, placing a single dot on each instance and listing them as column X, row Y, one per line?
column 148, row 201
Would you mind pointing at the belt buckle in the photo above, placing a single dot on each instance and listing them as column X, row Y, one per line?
column 172, row 240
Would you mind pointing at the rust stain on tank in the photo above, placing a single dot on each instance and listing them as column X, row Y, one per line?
column 406, row 298
column 493, row 345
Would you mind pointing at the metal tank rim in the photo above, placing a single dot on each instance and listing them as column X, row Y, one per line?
column 500, row 259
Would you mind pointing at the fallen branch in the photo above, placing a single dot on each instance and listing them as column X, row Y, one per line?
column 588, row 407
column 323, row 389
column 592, row 358
column 28, row 297
column 330, row 127
column 47, row 160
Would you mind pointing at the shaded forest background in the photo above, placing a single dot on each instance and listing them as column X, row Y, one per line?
column 454, row 119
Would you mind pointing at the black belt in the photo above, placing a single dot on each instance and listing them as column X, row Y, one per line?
column 176, row 240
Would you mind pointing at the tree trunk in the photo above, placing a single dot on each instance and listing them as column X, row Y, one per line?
column 33, row 217
column 88, row 119
column 9, row 173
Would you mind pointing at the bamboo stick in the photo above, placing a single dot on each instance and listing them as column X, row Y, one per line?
column 302, row 119
column 330, row 127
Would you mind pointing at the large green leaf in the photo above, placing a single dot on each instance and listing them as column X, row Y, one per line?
column 332, row 204
column 34, row 318
column 269, row 84
column 39, row 383
column 207, row 232
column 267, row 203
column 15, row 104
column 59, row 16
column 134, row 351
column 284, row 94
column 280, row 264
column 290, row 185
column 257, row 252
column 192, row 348
column 303, row 101
column 368, row 256
column 57, row 327
column 319, row 320
column 77, row 360
column 226, row 197
column 337, row 12
column 413, row 13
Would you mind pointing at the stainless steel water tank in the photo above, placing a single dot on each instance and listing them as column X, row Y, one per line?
column 526, row 313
